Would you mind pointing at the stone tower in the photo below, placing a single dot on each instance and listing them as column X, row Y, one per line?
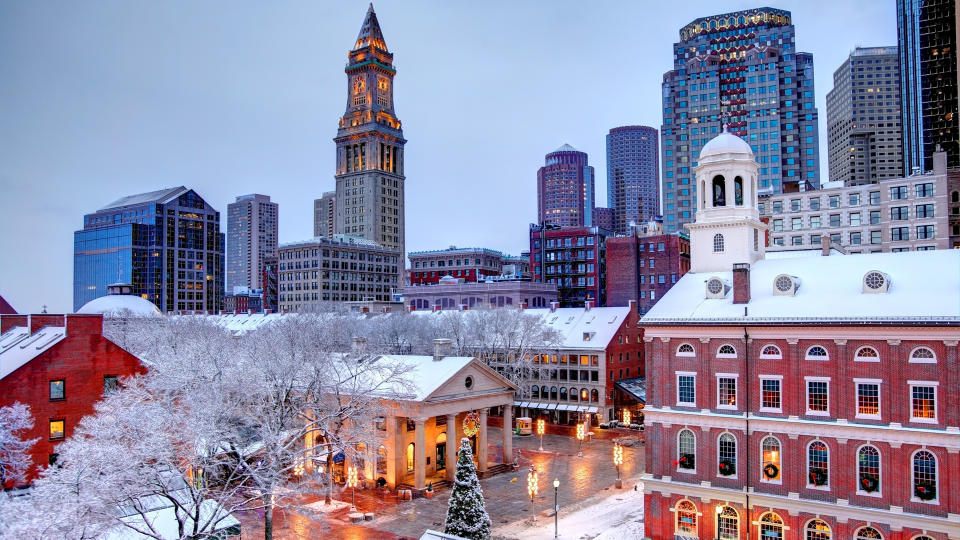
column 369, row 196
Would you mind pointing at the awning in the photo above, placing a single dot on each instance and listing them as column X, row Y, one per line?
column 524, row 404
column 593, row 410
column 516, row 403
column 552, row 407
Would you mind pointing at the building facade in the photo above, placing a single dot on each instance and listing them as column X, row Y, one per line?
column 167, row 244
column 325, row 214
column 243, row 301
column 370, row 180
column 896, row 214
column 573, row 258
column 453, row 294
column 566, row 189
column 633, row 176
column 335, row 269
column 642, row 269
column 604, row 218
column 743, row 66
column 801, row 397
column 928, row 38
column 865, row 137
column 252, row 223
column 468, row 264
column 271, row 290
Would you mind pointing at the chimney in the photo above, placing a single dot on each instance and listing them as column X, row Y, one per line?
column 358, row 345
column 741, row 283
column 825, row 245
column 39, row 321
column 437, row 308
column 523, row 305
column 411, row 309
column 464, row 307
column 84, row 324
column 633, row 306
column 554, row 306
column 9, row 321
column 441, row 348
column 587, row 305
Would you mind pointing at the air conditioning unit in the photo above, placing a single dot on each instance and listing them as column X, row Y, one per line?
column 785, row 285
column 717, row 288
column 876, row 282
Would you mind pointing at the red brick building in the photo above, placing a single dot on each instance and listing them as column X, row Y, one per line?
column 643, row 268
column 59, row 365
column 573, row 258
column 467, row 264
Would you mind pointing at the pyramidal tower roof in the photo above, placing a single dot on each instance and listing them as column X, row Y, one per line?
column 370, row 33
column 565, row 148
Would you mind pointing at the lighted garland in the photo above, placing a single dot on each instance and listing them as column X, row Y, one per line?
column 471, row 424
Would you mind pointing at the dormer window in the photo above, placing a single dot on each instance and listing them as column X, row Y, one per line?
column 587, row 336
column 785, row 285
column 716, row 288
column 876, row 282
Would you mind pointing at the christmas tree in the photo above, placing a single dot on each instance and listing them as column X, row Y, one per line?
column 466, row 515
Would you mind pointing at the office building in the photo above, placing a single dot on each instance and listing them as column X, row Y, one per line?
column 325, row 214
column 251, row 237
column 566, row 189
column 574, row 258
column 633, row 176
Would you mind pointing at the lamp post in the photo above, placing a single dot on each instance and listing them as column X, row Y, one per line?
column 556, row 505
column 580, row 433
column 618, row 460
column 533, row 487
column 719, row 511
column 352, row 483
column 541, row 426
column 626, row 417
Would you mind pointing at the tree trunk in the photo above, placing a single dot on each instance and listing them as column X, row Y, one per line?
column 328, row 496
column 268, row 516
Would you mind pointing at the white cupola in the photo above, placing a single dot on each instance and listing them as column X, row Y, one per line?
column 727, row 229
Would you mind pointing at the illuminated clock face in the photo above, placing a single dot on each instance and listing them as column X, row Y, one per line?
column 383, row 84
column 358, row 85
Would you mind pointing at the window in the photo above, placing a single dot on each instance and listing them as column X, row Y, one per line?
column 727, row 454
column 728, row 522
column 410, row 457
column 57, row 390
column 56, row 429
column 924, row 210
column 814, row 222
column 771, row 352
column 777, row 225
column 924, row 475
column 770, row 459
column 686, row 450
column 769, row 394
column 867, row 533
column 923, row 401
column 875, row 237
column 814, row 203
column 925, row 190
column 817, row 529
column 898, row 192
column 817, row 353
column 866, row 354
column 718, row 243
column 726, row 351
column 899, row 213
column 771, row 527
column 686, row 519
column 854, row 199
column 922, row 355
column 110, row 384
column 834, row 201
column 685, row 350
column 868, row 469
column 854, row 218
column 834, row 220
column 686, row 389
column 924, row 232
column 726, row 391
column 874, row 197
column 868, row 398
column 818, row 464
column 818, row 396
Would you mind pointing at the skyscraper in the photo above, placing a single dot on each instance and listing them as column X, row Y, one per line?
column 565, row 189
column 927, row 32
column 863, row 118
column 167, row 244
column 251, row 237
column 370, row 180
column 743, row 66
column 325, row 214
column 633, row 175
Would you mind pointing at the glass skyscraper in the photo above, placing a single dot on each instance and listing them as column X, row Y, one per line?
column 633, row 175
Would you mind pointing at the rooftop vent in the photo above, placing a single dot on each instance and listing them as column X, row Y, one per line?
column 785, row 285
column 717, row 288
column 876, row 282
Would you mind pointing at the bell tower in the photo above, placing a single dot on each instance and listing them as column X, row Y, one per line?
column 727, row 229
column 370, row 179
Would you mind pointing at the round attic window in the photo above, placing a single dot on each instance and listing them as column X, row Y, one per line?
column 784, row 283
column 468, row 382
column 715, row 286
column 874, row 280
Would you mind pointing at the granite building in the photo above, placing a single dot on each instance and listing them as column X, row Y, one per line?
column 325, row 214
column 566, row 189
column 633, row 176
column 742, row 66
column 251, row 237
column 865, row 143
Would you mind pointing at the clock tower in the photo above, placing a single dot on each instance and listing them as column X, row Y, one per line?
column 370, row 180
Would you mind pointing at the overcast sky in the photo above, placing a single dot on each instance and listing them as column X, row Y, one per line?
column 100, row 99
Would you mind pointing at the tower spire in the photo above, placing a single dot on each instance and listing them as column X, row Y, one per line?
column 370, row 33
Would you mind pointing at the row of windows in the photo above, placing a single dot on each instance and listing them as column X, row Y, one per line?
column 923, row 355
column 922, row 190
column 58, row 387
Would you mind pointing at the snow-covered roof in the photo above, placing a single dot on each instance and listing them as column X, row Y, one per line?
column 584, row 329
column 924, row 286
column 240, row 323
column 725, row 143
column 18, row 346
column 164, row 522
column 425, row 374
column 121, row 305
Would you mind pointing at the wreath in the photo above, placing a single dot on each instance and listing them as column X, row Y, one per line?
column 727, row 467
column 471, row 424
column 686, row 461
column 818, row 477
column 869, row 483
column 925, row 491
column 771, row 471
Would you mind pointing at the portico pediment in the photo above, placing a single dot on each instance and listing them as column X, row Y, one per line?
column 473, row 380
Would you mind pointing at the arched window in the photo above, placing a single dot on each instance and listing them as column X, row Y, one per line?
column 923, row 355
column 718, row 243
column 868, row 469
column 726, row 351
column 719, row 191
column 817, row 353
column 921, row 538
column 574, row 395
column 686, row 519
column 818, row 464
column 771, row 526
column 563, row 393
column 686, row 350
column 703, row 191
column 535, row 392
column 924, row 475
column 817, row 529
column 410, row 457
column 770, row 459
column 868, row 533
column 594, row 396
column 738, row 191
column 727, row 454
column 728, row 524
column 553, row 393
column 686, row 449
column 867, row 354
column 771, row 352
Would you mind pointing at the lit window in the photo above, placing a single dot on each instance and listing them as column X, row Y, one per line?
column 410, row 457
column 770, row 394
column 57, row 388
column 726, row 392
column 818, row 398
column 770, row 456
column 923, row 399
column 868, row 399
column 868, row 469
column 817, row 529
column 868, row 533
column 686, row 519
column 924, row 475
column 729, row 524
column 771, row 527
column 818, row 464
column 56, row 429
column 727, row 454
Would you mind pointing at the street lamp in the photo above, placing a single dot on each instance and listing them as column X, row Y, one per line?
column 352, row 483
column 556, row 505
column 719, row 511
column 541, row 426
column 618, row 460
column 626, row 417
column 533, row 487
column 580, row 434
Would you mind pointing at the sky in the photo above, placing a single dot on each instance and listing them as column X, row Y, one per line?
column 106, row 98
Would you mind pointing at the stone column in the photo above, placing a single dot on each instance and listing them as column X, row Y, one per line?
column 370, row 471
column 391, row 444
column 482, row 442
column 508, row 433
column 453, row 442
column 419, row 453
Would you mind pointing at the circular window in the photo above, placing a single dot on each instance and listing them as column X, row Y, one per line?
column 714, row 286
column 874, row 280
column 468, row 382
column 784, row 283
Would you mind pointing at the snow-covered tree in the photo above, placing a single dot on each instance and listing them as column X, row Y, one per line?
column 508, row 339
column 466, row 515
column 15, row 421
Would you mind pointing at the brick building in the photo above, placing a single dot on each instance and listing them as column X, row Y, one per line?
column 643, row 268
column 59, row 365
column 800, row 397
column 453, row 294
column 573, row 258
column 468, row 264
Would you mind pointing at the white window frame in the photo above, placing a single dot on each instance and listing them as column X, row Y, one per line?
column 806, row 457
column 858, row 358
column 936, row 416
column 686, row 354
column 778, row 378
column 778, row 356
column 677, row 381
column 726, row 355
column 936, row 482
column 736, row 390
column 696, row 457
column 856, row 467
column 763, row 478
column 807, row 356
column 913, row 360
column 675, row 510
column 736, row 456
column 806, row 384
column 856, row 398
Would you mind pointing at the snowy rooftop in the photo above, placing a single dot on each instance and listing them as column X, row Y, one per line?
column 924, row 286
column 162, row 523
column 426, row 375
column 584, row 329
column 18, row 346
column 121, row 305
column 240, row 323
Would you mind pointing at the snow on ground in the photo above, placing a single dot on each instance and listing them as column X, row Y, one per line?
column 604, row 517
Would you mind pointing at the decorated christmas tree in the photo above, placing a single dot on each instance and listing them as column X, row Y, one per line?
column 466, row 515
